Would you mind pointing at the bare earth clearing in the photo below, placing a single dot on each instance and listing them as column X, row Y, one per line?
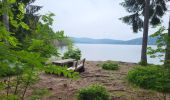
column 115, row 81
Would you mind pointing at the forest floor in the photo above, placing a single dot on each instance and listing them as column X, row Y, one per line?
column 61, row 88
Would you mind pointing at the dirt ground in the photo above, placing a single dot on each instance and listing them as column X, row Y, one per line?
column 61, row 88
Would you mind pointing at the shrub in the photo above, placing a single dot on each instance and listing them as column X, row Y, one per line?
column 61, row 71
column 110, row 65
column 72, row 53
column 9, row 97
column 9, row 71
column 93, row 92
column 143, row 63
column 150, row 77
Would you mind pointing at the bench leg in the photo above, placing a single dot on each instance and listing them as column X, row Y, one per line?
column 82, row 69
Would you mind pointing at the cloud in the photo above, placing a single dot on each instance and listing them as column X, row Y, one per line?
column 89, row 18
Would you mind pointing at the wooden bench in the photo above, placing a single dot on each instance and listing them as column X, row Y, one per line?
column 78, row 67
column 64, row 62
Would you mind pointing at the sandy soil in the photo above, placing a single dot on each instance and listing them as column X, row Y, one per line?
column 61, row 88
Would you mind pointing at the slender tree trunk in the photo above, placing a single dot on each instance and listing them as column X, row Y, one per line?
column 6, row 21
column 17, row 79
column 27, row 83
column 5, row 14
column 145, row 33
column 167, row 52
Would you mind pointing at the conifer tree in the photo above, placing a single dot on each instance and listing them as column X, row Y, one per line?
column 143, row 13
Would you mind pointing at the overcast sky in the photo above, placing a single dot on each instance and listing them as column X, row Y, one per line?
column 90, row 18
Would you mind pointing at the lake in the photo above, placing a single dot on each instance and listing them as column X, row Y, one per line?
column 103, row 52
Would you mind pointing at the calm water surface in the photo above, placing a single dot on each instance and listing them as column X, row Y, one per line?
column 103, row 52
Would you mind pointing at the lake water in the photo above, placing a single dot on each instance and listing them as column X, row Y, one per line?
column 103, row 52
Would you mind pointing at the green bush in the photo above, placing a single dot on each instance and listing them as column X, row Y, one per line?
column 10, row 97
column 93, row 92
column 61, row 71
column 110, row 65
column 150, row 77
column 9, row 71
column 143, row 63
column 72, row 53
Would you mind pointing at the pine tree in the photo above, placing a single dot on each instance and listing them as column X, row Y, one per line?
column 149, row 10
column 167, row 51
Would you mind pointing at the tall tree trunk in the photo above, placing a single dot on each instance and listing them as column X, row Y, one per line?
column 6, row 21
column 5, row 15
column 145, row 33
column 167, row 52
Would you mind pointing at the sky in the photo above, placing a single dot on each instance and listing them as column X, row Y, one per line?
column 91, row 18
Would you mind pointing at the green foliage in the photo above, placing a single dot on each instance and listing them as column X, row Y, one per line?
column 23, row 48
column 9, row 71
column 23, row 11
column 10, row 97
column 162, row 42
column 142, row 63
column 150, row 77
column 93, row 92
column 43, row 38
column 109, row 65
column 61, row 71
column 161, row 36
column 72, row 53
column 136, row 9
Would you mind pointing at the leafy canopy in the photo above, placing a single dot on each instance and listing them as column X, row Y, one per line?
column 157, row 9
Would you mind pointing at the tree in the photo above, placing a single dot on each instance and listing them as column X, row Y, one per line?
column 149, row 10
column 145, row 33
column 167, row 50
column 5, row 14
column 24, row 59
column 30, row 18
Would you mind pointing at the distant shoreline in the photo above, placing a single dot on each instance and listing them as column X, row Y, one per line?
column 137, row 41
column 119, row 62
column 113, row 44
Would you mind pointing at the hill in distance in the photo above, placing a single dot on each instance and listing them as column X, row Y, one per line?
column 137, row 41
